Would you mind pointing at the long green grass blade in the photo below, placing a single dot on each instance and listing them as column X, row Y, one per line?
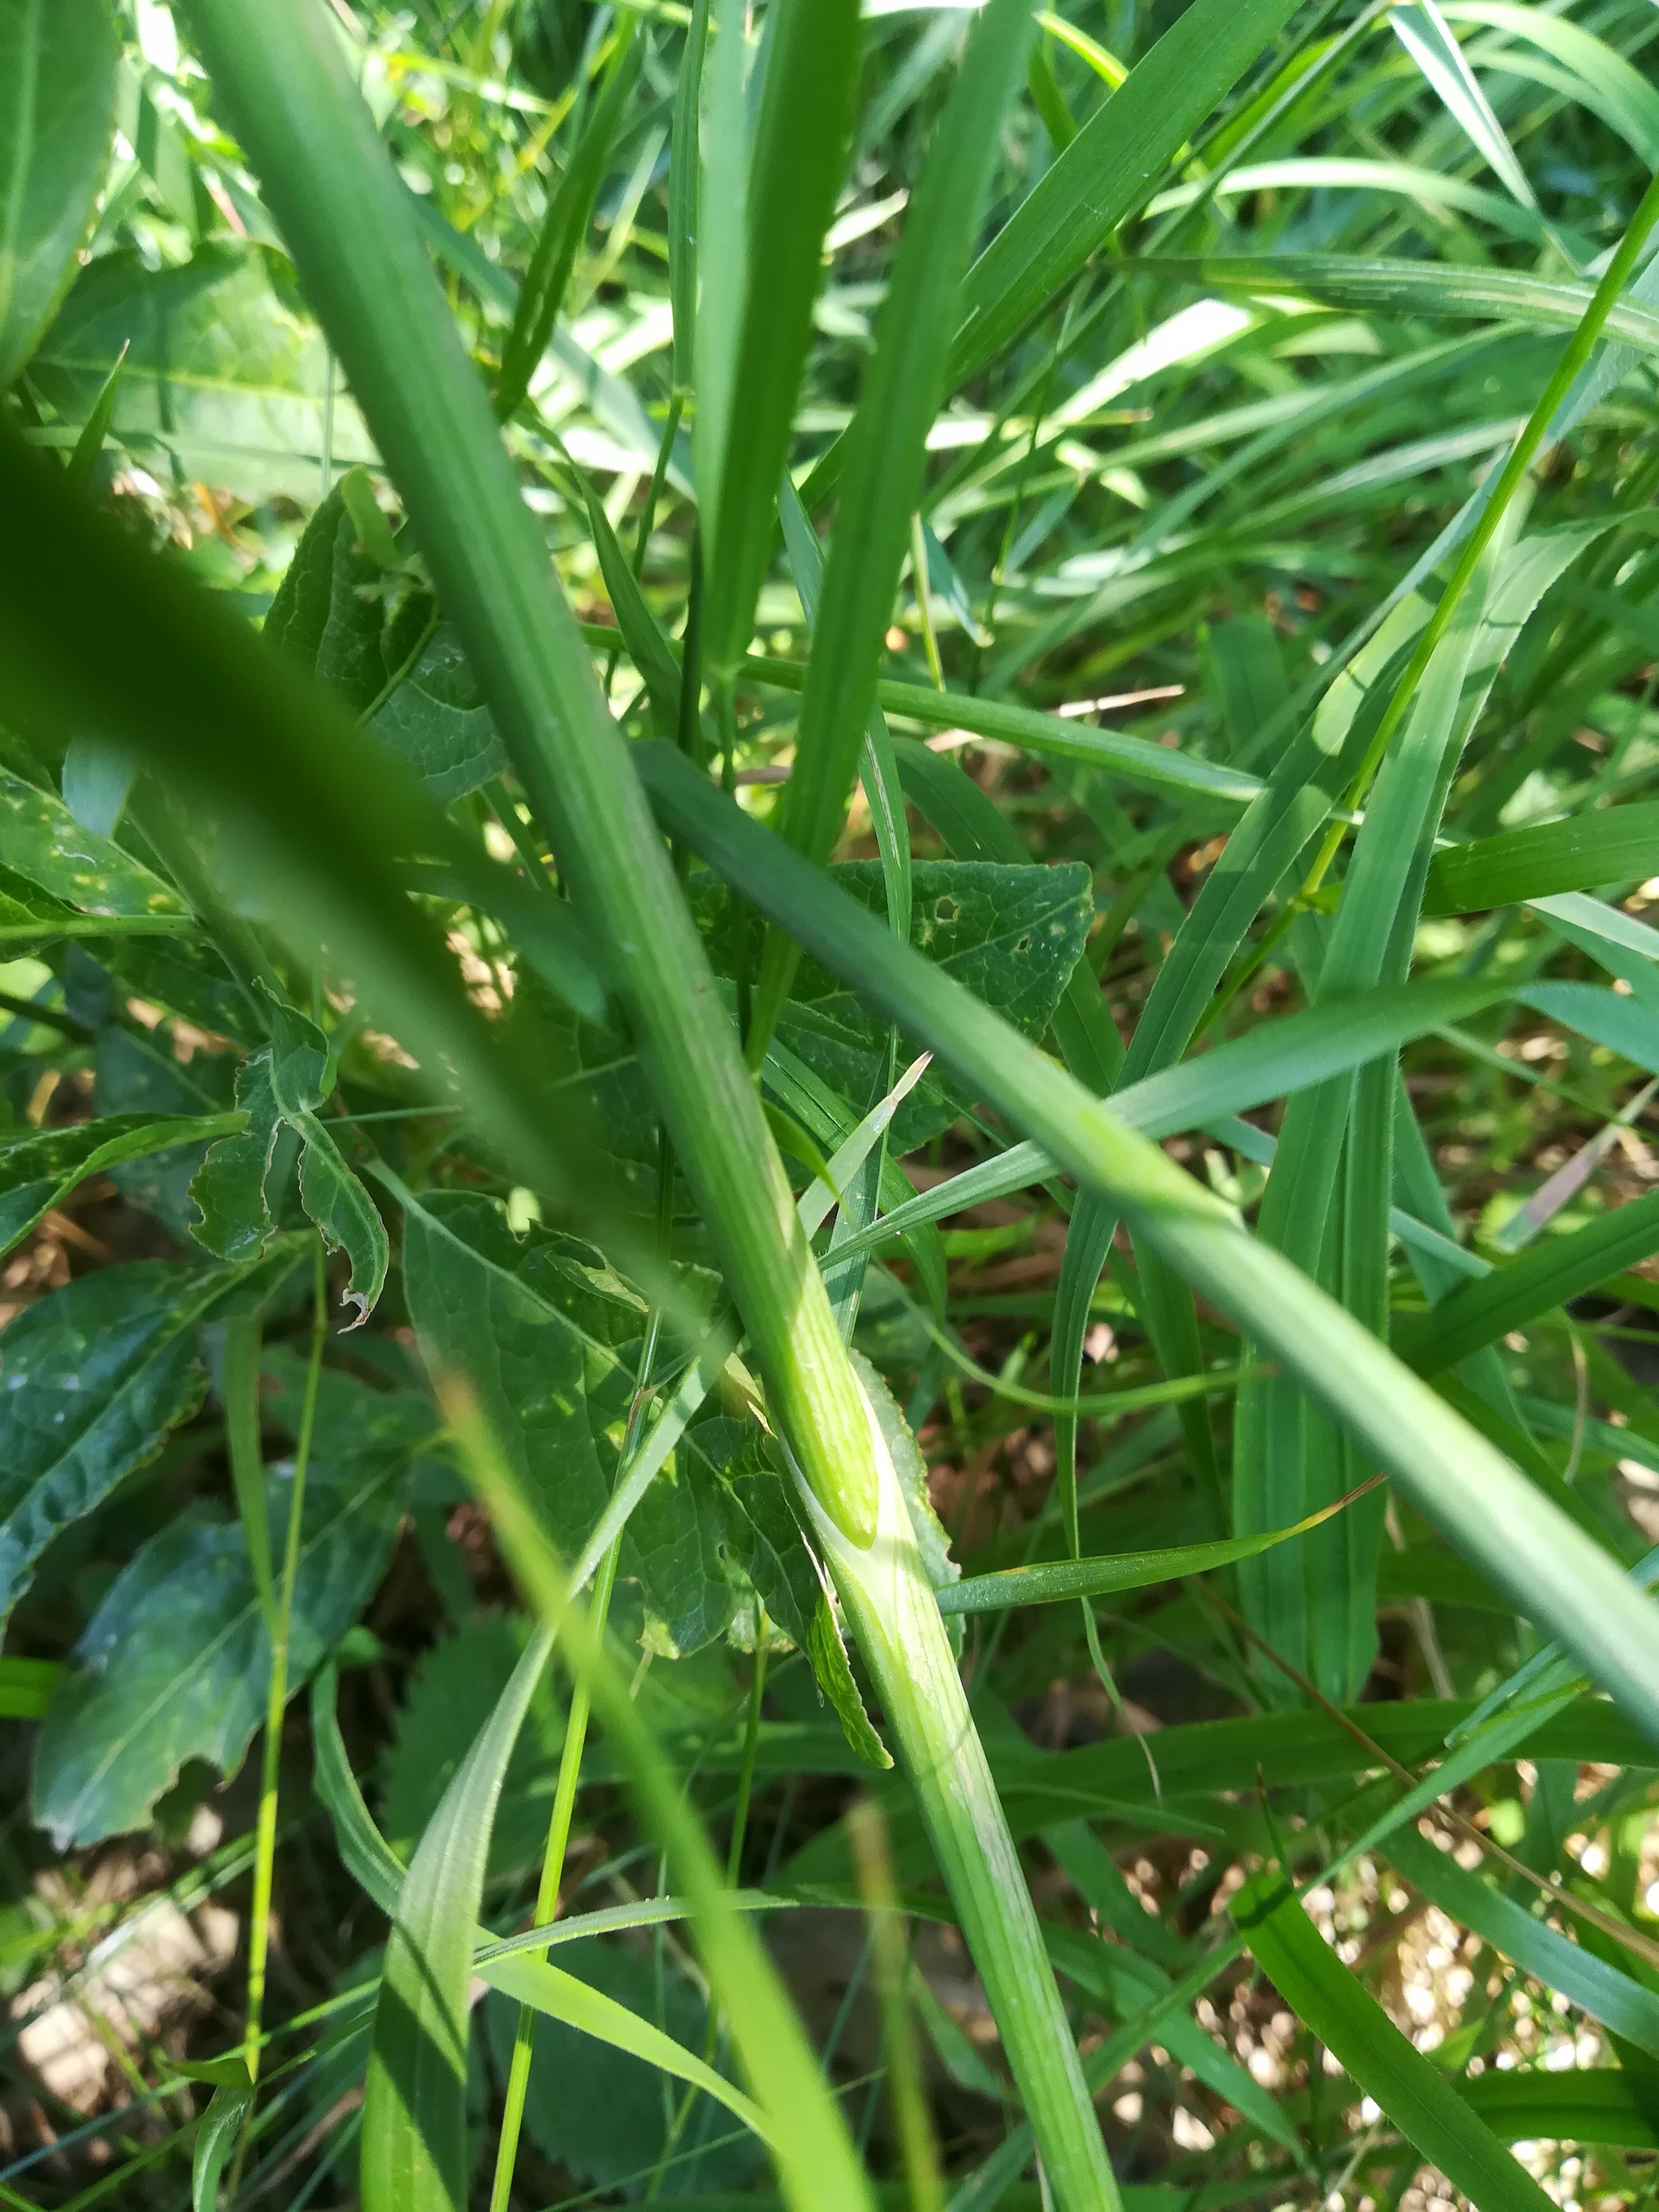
column 1353, row 2027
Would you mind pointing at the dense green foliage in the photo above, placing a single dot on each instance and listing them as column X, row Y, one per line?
column 829, row 1266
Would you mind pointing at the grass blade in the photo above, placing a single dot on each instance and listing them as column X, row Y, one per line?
column 801, row 146
column 569, row 211
column 1114, row 164
column 882, row 479
column 1352, row 2024
column 414, row 2138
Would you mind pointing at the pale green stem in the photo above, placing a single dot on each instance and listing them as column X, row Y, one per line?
column 258, row 1944
column 895, row 1618
column 924, row 607
column 751, row 1745
column 547, row 1894
column 564, row 1793
column 911, row 2120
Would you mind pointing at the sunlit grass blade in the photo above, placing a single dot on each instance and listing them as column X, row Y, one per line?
column 1418, row 288
column 569, row 210
column 1109, row 168
column 1354, row 2029
column 881, row 478
column 801, row 147
column 1128, row 1571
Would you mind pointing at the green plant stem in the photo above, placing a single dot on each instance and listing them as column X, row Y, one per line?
column 751, row 1746
column 905, row 2087
column 896, row 1622
column 259, row 1943
column 575, row 1737
column 547, row 1891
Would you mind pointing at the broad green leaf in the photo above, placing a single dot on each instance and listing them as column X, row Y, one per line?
column 232, row 1188
column 222, row 376
column 43, row 842
column 1547, row 1275
column 1487, row 1509
column 95, row 1375
column 343, row 617
column 795, row 169
column 346, row 1215
column 174, row 1664
column 40, row 1170
column 414, row 2134
column 1113, row 164
column 547, row 1336
column 881, row 480
column 215, row 2138
column 1010, row 935
column 236, row 1188
column 538, row 1328
column 1613, row 845
column 1352, row 2026
column 329, row 612
column 437, row 723
column 57, row 61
